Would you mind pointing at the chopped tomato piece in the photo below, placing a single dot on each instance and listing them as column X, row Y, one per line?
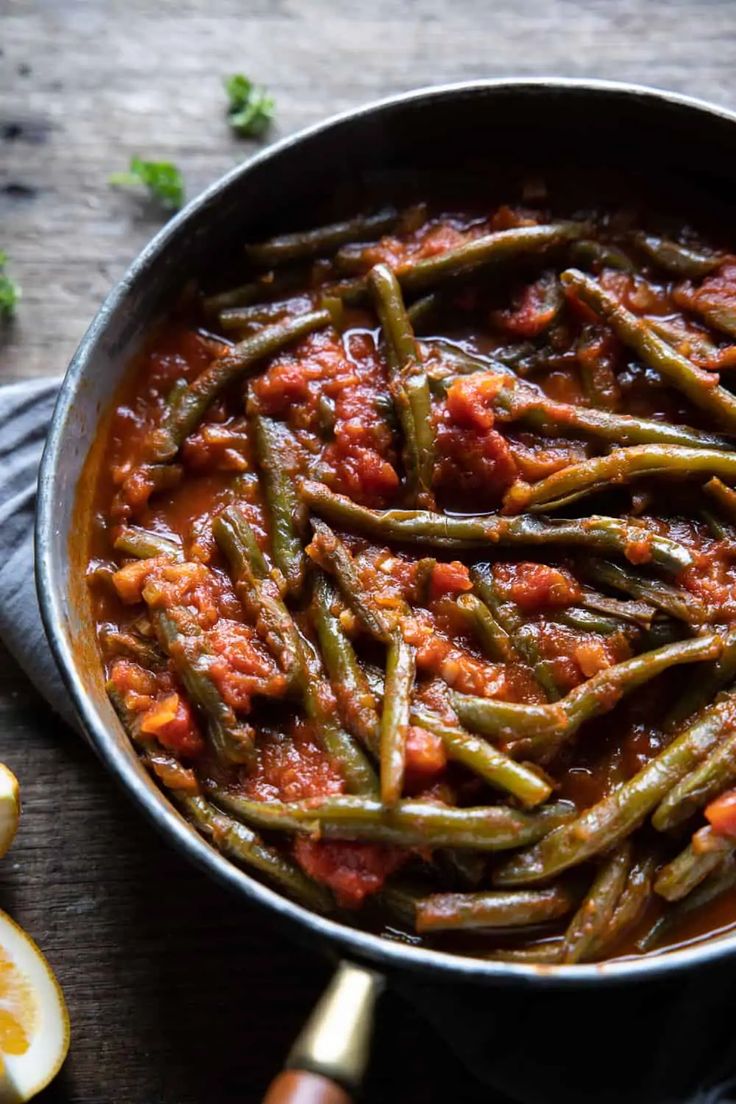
column 425, row 752
column 721, row 814
column 534, row 586
column 449, row 578
column 353, row 871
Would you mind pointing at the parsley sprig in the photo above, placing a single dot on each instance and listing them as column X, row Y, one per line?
column 251, row 107
column 162, row 179
column 9, row 291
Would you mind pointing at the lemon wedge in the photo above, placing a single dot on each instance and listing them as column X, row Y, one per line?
column 9, row 808
column 34, row 1023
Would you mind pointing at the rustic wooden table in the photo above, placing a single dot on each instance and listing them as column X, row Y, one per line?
column 179, row 993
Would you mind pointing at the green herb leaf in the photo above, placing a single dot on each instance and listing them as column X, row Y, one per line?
column 251, row 108
column 9, row 291
column 162, row 179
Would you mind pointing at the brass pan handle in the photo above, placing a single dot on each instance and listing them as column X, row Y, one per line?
column 329, row 1057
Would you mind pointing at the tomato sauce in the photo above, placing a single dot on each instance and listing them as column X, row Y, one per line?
column 338, row 403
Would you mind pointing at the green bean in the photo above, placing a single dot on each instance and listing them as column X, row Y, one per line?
column 281, row 500
column 492, row 636
column 583, row 620
column 677, row 259
column 233, row 319
column 427, row 529
column 617, row 468
column 705, row 684
column 400, row 675
column 485, row 760
column 144, row 544
column 548, row 417
column 674, row 601
column 408, row 823
column 635, row 612
column 704, row 854
column 335, row 558
column 631, row 905
column 130, row 644
column 606, row 823
column 490, row 250
column 407, row 381
column 714, row 775
column 597, row 253
column 596, row 371
column 698, row 385
column 596, row 912
column 267, row 285
column 521, row 637
column 355, row 698
column 356, row 769
column 305, row 244
column 491, row 909
column 520, row 401
column 258, row 592
column 422, row 309
column 243, row 846
column 186, row 645
column 241, row 361
column 723, row 496
column 558, row 721
column 547, row 953
column 720, row 881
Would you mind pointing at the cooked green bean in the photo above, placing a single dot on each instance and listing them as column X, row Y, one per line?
column 616, row 469
column 596, row 912
column 677, row 259
column 281, row 500
column 547, row 953
column 407, row 381
column 408, row 823
column 335, row 558
column 699, row 386
column 492, row 636
column 606, row 823
column 143, row 544
column 243, row 846
column 400, row 675
column 720, row 881
column 672, row 600
column 238, row 363
column 705, row 853
column 426, row 529
column 636, row 895
column 267, row 286
column 584, row 620
column 714, row 775
column 723, row 496
column 522, row 638
column 487, row 251
column 359, row 775
column 704, row 684
column 184, row 642
column 258, row 592
column 558, row 721
column 422, row 309
column 305, row 244
column 491, row 909
column 586, row 252
column 484, row 760
column 131, row 644
column 355, row 698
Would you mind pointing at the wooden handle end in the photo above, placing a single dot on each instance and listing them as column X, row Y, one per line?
column 302, row 1087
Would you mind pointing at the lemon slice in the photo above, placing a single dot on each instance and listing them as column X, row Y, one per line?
column 34, row 1023
column 9, row 808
